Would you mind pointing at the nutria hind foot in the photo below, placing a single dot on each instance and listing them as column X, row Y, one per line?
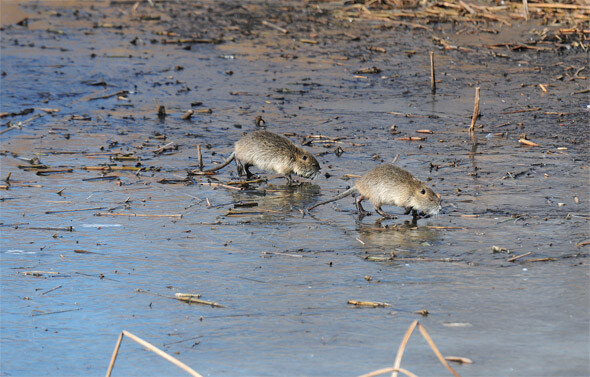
column 359, row 207
column 384, row 214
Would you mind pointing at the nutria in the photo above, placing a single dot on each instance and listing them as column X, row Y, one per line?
column 271, row 152
column 389, row 184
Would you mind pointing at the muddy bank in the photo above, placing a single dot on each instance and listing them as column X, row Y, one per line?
column 92, row 73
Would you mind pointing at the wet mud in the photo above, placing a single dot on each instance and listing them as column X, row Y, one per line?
column 102, row 224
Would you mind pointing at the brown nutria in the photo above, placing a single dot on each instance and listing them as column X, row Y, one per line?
column 271, row 152
column 389, row 184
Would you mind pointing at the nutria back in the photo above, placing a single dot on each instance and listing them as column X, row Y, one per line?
column 389, row 184
column 269, row 151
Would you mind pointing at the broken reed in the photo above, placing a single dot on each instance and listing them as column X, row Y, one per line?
column 400, row 353
column 432, row 78
column 200, row 157
column 150, row 347
column 475, row 110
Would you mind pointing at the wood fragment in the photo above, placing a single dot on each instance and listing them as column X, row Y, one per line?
column 521, row 111
column 200, row 157
column 410, row 138
column 107, row 168
column 150, row 347
column 56, row 312
column 432, row 76
column 543, row 88
column 435, row 349
column 38, row 273
column 74, row 210
column 284, row 254
column 560, row 6
column 276, row 27
column 402, row 347
column 65, row 229
column 135, row 215
column 528, row 142
column 119, row 93
column 518, row 256
column 370, row 304
column 238, row 183
column 189, row 113
column 213, row 184
column 539, row 260
column 194, row 299
column 387, row 370
column 51, row 290
column 475, row 111
column 234, row 213
column 457, row 359
column 53, row 171
column 163, row 148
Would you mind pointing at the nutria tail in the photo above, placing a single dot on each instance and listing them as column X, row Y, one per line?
column 231, row 157
column 346, row 193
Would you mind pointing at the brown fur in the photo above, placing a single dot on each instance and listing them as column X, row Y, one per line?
column 389, row 184
column 271, row 152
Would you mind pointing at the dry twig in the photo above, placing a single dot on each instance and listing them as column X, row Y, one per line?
column 152, row 348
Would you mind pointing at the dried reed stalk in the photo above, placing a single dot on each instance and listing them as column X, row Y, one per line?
column 475, row 110
column 200, row 156
column 387, row 370
column 152, row 348
column 435, row 350
column 402, row 347
column 432, row 79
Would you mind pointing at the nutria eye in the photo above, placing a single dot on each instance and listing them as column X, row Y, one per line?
column 304, row 158
column 423, row 191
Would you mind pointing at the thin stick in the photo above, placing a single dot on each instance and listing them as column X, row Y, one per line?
column 387, row 370
column 525, row 6
column 402, row 347
column 561, row 6
column 114, row 357
column 161, row 149
column 152, row 348
column 200, row 156
column 436, row 351
column 213, row 184
column 57, row 312
column 133, row 215
column 432, row 79
column 51, row 290
column 285, row 254
column 518, row 256
column 74, row 210
column 276, row 27
column 475, row 110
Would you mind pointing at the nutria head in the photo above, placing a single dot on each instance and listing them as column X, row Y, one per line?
column 305, row 165
column 425, row 200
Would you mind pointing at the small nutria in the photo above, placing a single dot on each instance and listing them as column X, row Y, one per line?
column 271, row 152
column 389, row 184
